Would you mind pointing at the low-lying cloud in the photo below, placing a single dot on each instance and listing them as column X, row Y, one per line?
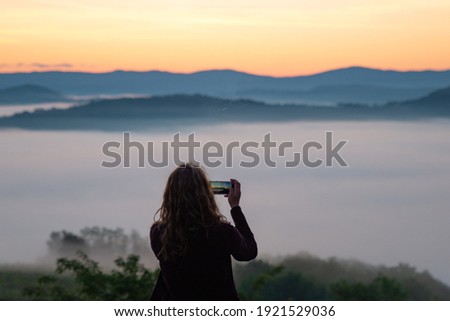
column 38, row 65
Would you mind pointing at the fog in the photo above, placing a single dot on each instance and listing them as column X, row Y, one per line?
column 389, row 205
column 8, row 110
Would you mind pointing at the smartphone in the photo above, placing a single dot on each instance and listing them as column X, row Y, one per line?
column 220, row 187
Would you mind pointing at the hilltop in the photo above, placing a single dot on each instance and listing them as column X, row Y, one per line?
column 29, row 94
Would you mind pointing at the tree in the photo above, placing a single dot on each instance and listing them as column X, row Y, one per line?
column 380, row 289
column 132, row 281
column 274, row 283
column 65, row 243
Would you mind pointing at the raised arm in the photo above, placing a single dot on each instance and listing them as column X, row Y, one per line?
column 243, row 244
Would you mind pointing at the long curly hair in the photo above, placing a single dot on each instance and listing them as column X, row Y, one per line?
column 188, row 206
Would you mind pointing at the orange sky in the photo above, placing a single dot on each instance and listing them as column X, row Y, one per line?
column 279, row 38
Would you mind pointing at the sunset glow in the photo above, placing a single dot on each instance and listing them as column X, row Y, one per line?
column 279, row 38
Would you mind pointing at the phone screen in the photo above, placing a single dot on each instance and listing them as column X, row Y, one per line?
column 220, row 187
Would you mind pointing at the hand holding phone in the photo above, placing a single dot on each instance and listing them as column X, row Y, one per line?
column 220, row 187
column 234, row 194
column 230, row 189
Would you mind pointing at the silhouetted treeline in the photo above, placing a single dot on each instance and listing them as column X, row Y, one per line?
column 108, row 264
column 305, row 277
column 82, row 278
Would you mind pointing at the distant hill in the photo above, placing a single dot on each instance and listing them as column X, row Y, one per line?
column 173, row 110
column 329, row 94
column 372, row 85
column 438, row 98
column 435, row 104
column 29, row 94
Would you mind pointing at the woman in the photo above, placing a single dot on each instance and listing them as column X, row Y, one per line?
column 193, row 241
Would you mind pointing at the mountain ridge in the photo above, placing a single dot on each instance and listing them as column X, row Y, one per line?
column 229, row 83
column 235, row 71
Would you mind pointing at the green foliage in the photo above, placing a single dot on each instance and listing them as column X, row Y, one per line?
column 51, row 288
column 132, row 281
column 418, row 285
column 381, row 288
column 83, row 279
column 301, row 277
column 13, row 279
column 292, row 286
column 274, row 283
column 310, row 278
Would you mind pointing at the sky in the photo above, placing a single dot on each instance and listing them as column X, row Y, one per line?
column 266, row 37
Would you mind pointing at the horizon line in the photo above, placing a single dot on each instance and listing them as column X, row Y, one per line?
column 225, row 69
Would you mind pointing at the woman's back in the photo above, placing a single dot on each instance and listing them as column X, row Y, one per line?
column 194, row 242
column 205, row 272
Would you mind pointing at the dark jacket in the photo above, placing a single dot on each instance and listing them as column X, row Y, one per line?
column 205, row 272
